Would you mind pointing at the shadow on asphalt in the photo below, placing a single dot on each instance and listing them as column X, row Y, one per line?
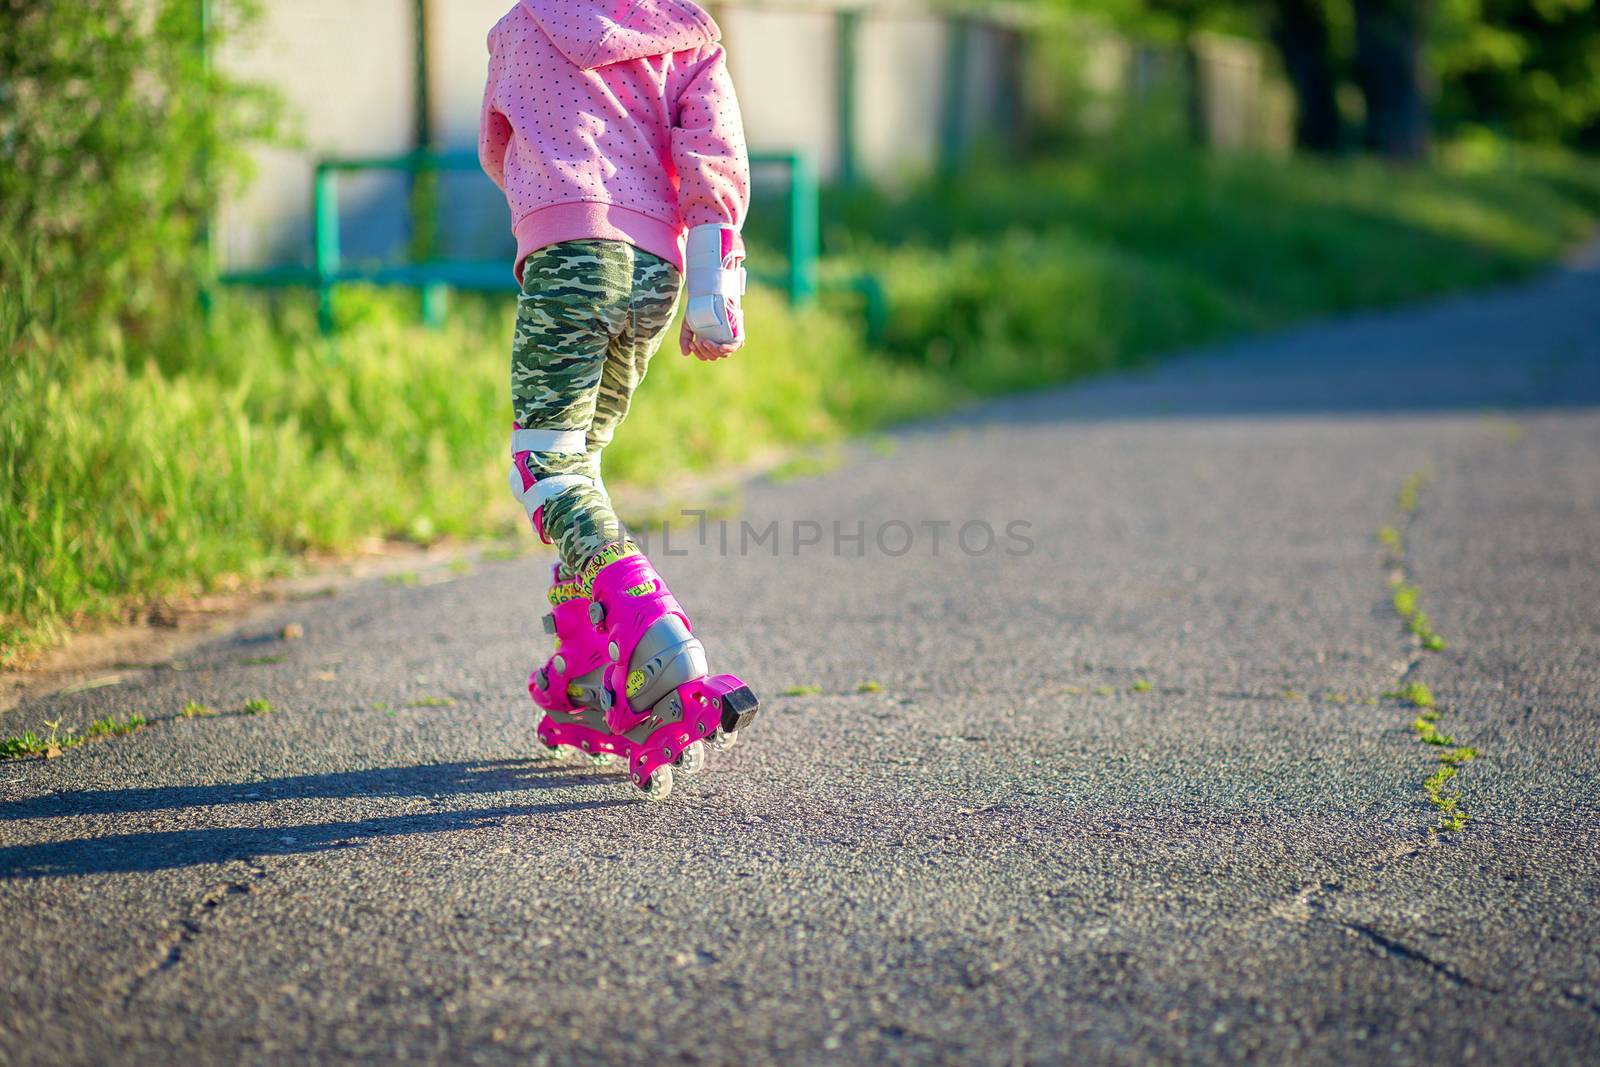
column 164, row 850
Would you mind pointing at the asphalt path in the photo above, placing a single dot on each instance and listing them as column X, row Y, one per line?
column 1120, row 786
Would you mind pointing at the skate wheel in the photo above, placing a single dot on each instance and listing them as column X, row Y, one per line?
column 693, row 758
column 659, row 787
column 723, row 740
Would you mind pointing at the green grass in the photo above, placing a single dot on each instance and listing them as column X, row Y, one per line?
column 57, row 740
column 1019, row 277
column 217, row 452
column 257, row 706
column 801, row 691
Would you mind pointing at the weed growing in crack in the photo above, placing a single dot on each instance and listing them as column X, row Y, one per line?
column 58, row 740
column 802, row 691
column 257, row 706
column 1442, row 790
column 1428, row 732
column 1417, row 694
column 1411, row 489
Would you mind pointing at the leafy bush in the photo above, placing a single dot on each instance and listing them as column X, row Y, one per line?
column 116, row 139
column 1032, row 275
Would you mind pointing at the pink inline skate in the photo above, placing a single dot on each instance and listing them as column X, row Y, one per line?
column 629, row 677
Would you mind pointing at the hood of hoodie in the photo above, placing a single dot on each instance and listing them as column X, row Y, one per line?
column 597, row 33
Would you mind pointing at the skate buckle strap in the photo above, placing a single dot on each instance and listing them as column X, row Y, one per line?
column 543, row 490
column 565, row 441
column 609, row 554
column 562, row 592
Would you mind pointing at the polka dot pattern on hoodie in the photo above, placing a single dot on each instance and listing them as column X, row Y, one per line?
column 612, row 119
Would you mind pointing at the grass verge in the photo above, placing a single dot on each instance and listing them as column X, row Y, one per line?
column 135, row 466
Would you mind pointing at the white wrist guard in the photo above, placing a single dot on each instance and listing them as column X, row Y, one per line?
column 716, row 282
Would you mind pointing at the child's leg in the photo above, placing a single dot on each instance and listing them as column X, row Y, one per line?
column 653, row 306
column 574, row 299
column 582, row 309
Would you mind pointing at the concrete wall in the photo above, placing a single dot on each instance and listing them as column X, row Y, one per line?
column 347, row 71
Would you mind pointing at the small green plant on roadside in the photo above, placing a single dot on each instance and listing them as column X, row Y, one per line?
column 1417, row 694
column 110, row 727
column 24, row 744
column 1411, row 489
column 196, row 710
column 405, row 578
column 1390, row 538
column 258, row 706
column 1295, row 695
column 1142, row 685
column 1407, row 606
column 58, row 740
column 1428, row 732
column 802, row 691
column 870, row 687
column 1441, row 791
column 1442, row 795
column 1420, row 625
column 1104, row 690
column 432, row 702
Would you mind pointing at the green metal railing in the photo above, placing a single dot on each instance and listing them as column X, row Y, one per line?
column 435, row 277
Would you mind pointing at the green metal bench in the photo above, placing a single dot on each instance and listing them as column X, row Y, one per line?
column 435, row 277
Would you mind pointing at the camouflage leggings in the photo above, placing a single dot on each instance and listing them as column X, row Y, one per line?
column 590, row 316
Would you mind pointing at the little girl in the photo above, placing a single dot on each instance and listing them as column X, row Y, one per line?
column 612, row 128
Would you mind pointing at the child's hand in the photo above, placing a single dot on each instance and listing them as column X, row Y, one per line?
column 703, row 350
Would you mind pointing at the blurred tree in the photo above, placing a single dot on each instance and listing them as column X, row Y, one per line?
column 1388, row 67
column 116, row 136
column 1300, row 29
column 1527, row 68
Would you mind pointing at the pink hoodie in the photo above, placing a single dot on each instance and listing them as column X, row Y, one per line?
column 612, row 119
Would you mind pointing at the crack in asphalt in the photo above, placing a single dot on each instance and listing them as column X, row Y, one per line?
column 1580, row 1001
column 183, row 932
column 1400, row 950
